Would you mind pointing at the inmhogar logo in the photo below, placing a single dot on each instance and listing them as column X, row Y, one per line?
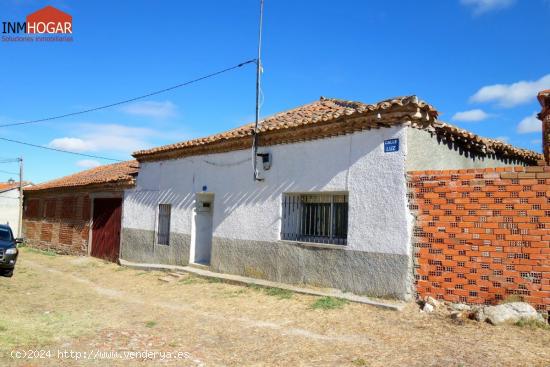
column 45, row 25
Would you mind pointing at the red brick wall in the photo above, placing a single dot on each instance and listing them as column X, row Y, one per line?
column 58, row 222
column 482, row 235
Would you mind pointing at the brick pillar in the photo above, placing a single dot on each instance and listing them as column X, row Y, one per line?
column 544, row 116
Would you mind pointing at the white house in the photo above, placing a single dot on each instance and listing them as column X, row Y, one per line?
column 9, row 204
column 331, row 209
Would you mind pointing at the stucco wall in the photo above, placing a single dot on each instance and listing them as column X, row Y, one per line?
column 9, row 209
column 379, row 221
column 427, row 153
column 244, row 209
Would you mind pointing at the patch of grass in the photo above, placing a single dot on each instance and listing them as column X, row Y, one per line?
column 150, row 324
column 359, row 362
column 3, row 328
column 40, row 252
column 213, row 280
column 533, row 324
column 328, row 303
column 141, row 273
column 255, row 287
column 41, row 328
column 190, row 280
column 121, row 268
column 232, row 294
column 279, row 293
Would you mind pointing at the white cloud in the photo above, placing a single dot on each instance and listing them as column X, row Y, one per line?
column 108, row 137
column 88, row 163
column 471, row 115
column 510, row 95
column 151, row 109
column 72, row 144
column 485, row 6
column 114, row 138
column 530, row 124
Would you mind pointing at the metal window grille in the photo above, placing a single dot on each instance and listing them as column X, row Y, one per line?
column 163, row 233
column 320, row 218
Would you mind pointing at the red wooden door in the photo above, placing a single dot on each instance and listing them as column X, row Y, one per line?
column 106, row 229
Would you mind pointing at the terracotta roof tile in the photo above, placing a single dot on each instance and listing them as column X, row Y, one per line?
column 5, row 186
column 480, row 144
column 336, row 111
column 323, row 110
column 117, row 173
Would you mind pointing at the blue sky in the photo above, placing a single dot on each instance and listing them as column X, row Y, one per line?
column 479, row 62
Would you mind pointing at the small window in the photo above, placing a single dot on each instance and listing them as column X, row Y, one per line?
column 320, row 218
column 163, row 233
column 49, row 208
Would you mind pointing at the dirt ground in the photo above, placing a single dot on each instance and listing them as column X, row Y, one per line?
column 58, row 305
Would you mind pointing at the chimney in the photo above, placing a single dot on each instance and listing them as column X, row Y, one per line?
column 544, row 116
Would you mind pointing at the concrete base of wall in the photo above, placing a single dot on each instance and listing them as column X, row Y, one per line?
column 138, row 246
column 368, row 273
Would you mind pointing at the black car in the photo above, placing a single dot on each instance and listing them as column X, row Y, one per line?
column 8, row 250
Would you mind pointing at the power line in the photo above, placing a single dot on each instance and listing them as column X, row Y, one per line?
column 131, row 99
column 9, row 160
column 61, row 150
column 9, row 173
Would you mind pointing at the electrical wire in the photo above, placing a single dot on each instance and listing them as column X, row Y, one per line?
column 131, row 99
column 10, row 160
column 61, row 150
column 230, row 164
column 9, row 173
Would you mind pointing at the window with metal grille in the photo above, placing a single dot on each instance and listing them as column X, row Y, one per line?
column 320, row 218
column 163, row 233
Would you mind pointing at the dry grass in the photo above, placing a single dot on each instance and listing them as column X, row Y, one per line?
column 83, row 303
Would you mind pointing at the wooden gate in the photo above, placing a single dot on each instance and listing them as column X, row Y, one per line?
column 106, row 229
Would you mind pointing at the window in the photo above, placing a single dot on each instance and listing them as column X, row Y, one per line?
column 5, row 234
column 68, row 207
column 49, row 208
column 163, row 233
column 321, row 218
column 32, row 208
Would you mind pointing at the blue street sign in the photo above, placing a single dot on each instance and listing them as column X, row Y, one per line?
column 391, row 145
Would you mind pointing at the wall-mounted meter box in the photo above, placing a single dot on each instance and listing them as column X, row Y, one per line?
column 204, row 202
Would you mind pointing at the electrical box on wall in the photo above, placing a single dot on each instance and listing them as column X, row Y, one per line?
column 266, row 160
column 203, row 206
column 204, row 202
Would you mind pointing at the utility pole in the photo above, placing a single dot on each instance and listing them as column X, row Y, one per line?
column 258, row 90
column 20, row 226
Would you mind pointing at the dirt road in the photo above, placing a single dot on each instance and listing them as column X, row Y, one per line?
column 106, row 315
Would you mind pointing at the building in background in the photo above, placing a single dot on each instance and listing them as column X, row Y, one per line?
column 79, row 214
column 10, row 203
column 331, row 208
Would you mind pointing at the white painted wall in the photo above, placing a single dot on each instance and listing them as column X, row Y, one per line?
column 9, row 208
column 379, row 220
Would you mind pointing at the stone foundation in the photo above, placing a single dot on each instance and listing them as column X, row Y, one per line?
column 137, row 245
column 332, row 266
